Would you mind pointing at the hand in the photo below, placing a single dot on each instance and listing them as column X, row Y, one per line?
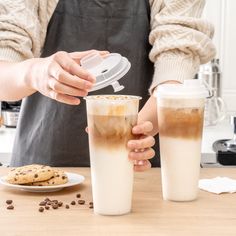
column 61, row 77
column 141, row 149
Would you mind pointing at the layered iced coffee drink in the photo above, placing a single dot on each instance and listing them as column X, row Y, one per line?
column 110, row 122
column 180, row 121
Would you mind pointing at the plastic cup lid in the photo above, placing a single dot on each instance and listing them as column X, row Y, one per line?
column 107, row 70
column 191, row 88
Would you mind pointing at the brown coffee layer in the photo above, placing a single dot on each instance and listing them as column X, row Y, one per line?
column 110, row 131
column 181, row 123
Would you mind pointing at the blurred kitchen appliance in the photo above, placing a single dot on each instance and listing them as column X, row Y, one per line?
column 10, row 113
column 226, row 148
column 215, row 109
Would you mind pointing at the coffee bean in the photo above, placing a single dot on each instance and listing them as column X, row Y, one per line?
column 55, row 201
column 36, row 176
column 78, row 195
column 43, row 203
column 73, row 203
column 91, row 206
column 60, row 204
column 10, row 207
column 47, row 207
column 67, row 206
column 81, row 202
column 91, row 203
column 49, row 203
column 9, row 202
column 47, row 200
column 54, row 206
column 41, row 209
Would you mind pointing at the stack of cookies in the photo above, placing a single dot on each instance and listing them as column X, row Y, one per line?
column 37, row 175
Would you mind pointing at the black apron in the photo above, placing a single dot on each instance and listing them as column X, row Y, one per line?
column 53, row 133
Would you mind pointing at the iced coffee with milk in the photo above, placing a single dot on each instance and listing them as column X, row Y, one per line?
column 180, row 122
column 110, row 122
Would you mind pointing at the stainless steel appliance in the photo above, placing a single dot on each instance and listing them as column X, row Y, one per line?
column 10, row 113
column 226, row 148
column 210, row 75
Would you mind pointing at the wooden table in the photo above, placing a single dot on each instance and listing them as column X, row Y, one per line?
column 209, row 215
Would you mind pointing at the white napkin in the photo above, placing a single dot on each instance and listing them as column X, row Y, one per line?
column 218, row 185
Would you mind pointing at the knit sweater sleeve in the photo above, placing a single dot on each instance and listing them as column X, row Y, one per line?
column 180, row 39
column 23, row 25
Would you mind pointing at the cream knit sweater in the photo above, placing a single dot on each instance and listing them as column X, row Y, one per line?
column 180, row 39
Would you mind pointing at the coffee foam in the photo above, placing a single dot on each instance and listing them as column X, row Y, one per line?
column 181, row 103
column 112, row 105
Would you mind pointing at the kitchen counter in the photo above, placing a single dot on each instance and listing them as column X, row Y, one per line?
column 209, row 215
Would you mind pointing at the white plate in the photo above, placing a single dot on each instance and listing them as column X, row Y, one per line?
column 73, row 179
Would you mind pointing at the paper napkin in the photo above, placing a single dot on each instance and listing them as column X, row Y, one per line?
column 218, row 185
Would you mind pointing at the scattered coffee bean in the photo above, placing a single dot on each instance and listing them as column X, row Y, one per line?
column 67, row 206
column 78, row 195
column 47, row 207
column 36, row 176
column 91, row 203
column 41, row 209
column 47, row 200
column 55, row 201
column 43, row 203
column 55, row 206
column 60, row 204
column 81, row 202
column 9, row 202
column 10, row 207
column 73, row 203
column 91, row 206
column 49, row 203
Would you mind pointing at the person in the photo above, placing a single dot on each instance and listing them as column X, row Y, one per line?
column 42, row 42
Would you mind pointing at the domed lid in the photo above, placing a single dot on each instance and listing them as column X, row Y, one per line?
column 191, row 88
column 107, row 70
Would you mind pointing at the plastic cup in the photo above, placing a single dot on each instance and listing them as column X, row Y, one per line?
column 110, row 121
column 180, row 121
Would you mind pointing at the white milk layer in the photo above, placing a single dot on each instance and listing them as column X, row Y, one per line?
column 180, row 166
column 112, row 180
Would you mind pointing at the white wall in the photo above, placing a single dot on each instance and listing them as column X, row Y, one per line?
column 222, row 13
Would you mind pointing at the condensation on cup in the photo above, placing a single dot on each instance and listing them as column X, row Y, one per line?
column 180, row 121
column 110, row 122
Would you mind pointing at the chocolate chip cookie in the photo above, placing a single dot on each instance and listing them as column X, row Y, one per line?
column 58, row 178
column 30, row 174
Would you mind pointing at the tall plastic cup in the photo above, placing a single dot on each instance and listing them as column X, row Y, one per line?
column 180, row 121
column 110, row 121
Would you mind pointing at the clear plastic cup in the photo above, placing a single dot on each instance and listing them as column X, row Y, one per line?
column 180, row 121
column 110, row 121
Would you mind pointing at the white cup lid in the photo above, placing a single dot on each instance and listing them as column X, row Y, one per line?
column 191, row 88
column 107, row 70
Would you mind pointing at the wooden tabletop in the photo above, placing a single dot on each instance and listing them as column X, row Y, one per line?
column 211, row 214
